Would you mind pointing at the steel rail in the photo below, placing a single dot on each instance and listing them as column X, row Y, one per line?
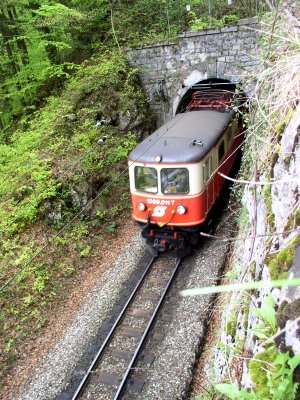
column 126, row 375
column 108, row 338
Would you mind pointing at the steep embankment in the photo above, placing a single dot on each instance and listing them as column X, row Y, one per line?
column 258, row 345
column 54, row 211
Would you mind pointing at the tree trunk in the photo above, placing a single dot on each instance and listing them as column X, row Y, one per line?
column 12, row 13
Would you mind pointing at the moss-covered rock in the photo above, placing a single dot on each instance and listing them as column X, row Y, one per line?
column 280, row 263
column 259, row 368
column 287, row 311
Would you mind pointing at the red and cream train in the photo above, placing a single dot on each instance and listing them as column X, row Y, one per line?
column 174, row 173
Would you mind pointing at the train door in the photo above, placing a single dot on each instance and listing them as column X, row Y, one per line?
column 208, row 182
column 230, row 134
column 221, row 165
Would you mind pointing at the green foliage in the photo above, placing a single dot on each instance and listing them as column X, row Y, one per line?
column 231, row 321
column 279, row 263
column 50, row 155
column 41, row 278
column 233, row 392
column 34, row 43
column 86, row 251
column 111, row 228
column 56, row 15
column 268, row 202
column 267, row 327
column 207, row 22
column 271, row 371
column 120, row 149
column 43, row 42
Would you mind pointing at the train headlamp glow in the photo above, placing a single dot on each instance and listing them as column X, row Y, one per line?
column 181, row 209
column 157, row 158
column 141, row 206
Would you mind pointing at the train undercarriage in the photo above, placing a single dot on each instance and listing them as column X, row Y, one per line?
column 179, row 241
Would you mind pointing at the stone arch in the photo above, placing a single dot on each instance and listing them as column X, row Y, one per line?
column 169, row 69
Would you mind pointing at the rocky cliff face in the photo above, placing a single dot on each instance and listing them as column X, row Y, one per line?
column 259, row 325
column 269, row 256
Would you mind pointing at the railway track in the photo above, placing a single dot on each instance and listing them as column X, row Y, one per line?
column 109, row 374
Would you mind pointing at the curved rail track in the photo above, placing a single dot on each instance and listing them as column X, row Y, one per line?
column 109, row 373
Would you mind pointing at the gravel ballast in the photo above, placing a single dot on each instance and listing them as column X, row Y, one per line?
column 170, row 374
column 55, row 369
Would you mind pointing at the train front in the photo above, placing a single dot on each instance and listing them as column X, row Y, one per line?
column 160, row 204
column 165, row 193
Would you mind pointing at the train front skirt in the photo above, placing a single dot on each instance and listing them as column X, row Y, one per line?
column 179, row 241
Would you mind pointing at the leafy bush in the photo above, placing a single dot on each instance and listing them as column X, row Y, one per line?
column 207, row 22
column 50, row 169
column 271, row 371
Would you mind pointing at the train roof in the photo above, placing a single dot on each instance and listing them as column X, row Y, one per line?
column 185, row 138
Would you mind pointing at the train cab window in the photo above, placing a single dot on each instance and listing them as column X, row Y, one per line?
column 174, row 180
column 221, row 150
column 145, row 179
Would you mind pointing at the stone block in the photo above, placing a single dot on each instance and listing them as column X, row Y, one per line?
column 213, row 31
column 248, row 21
column 244, row 58
column 194, row 33
column 230, row 59
column 221, row 67
column 246, row 28
column 229, row 29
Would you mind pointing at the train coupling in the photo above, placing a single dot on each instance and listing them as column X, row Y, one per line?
column 160, row 245
column 156, row 247
column 159, row 241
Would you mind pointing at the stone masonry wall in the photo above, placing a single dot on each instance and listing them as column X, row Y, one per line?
column 167, row 70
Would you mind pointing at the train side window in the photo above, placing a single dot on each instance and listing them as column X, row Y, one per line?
column 145, row 179
column 174, row 180
column 221, row 150
column 206, row 170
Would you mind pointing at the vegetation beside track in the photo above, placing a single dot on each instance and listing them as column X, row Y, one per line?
column 267, row 371
column 62, row 69
column 51, row 171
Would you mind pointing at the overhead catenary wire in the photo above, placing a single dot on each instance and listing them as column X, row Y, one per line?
column 59, row 178
column 50, row 240
column 229, row 239
column 3, row 200
column 66, row 226
column 293, row 178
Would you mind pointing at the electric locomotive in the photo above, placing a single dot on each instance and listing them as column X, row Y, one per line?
column 175, row 172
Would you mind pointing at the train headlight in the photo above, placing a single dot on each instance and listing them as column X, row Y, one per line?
column 181, row 209
column 141, row 206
